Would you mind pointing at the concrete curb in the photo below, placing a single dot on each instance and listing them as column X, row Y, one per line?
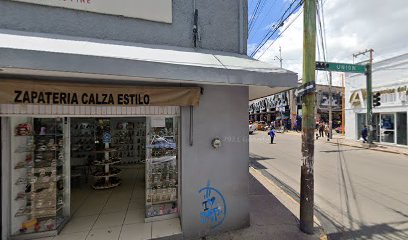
column 380, row 149
column 288, row 201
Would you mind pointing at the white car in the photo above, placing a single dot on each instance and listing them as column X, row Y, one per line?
column 252, row 128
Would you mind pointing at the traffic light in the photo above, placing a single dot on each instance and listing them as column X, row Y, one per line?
column 376, row 99
column 322, row 66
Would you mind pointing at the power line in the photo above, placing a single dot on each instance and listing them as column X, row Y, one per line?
column 271, row 32
column 253, row 14
column 259, row 7
column 300, row 12
column 265, row 16
column 322, row 34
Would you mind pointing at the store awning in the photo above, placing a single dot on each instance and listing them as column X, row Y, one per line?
column 43, row 55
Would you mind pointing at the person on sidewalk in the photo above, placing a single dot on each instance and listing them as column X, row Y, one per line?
column 364, row 134
column 321, row 130
column 272, row 134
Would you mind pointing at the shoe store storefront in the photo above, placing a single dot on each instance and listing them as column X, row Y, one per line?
column 106, row 140
column 81, row 150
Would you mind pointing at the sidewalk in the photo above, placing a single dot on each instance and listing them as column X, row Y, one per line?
column 378, row 147
column 271, row 214
column 339, row 139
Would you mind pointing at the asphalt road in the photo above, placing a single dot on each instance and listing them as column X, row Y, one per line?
column 359, row 193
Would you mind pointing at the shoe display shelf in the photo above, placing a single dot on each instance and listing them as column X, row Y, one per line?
column 106, row 175
column 161, row 174
column 82, row 141
column 38, row 189
column 129, row 138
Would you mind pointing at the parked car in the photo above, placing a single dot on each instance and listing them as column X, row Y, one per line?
column 261, row 125
column 252, row 128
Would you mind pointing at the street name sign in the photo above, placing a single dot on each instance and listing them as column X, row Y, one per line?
column 306, row 88
column 340, row 67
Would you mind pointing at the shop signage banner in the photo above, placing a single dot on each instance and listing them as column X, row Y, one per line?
column 55, row 93
column 153, row 10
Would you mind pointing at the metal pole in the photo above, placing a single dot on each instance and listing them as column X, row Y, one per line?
column 308, row 120
column 343, row 105
column 369, row 115
column 280, row 56
column 369, row 104
column 330, row 106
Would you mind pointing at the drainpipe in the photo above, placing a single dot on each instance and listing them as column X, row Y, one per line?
column 241, row 27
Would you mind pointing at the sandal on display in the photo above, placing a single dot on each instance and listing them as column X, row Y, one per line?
column 42, row 148
column 20, row 165
column 21, row 181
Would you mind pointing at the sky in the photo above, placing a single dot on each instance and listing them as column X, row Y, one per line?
column 350, row 27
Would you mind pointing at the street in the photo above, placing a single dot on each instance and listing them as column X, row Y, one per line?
column 359, row 193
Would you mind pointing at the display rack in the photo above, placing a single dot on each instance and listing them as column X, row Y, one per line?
column 129, row 138
column 39, row 189
column 82, row 142
column 106, row 175
column 161, row 172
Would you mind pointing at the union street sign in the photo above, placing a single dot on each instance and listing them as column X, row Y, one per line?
column 340, row 67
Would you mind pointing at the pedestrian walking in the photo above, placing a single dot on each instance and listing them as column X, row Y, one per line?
column 321, row 130
column 364, row 134
column 326, row 130
column 272, row 134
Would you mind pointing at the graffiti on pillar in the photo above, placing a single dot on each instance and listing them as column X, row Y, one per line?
column 213, row 206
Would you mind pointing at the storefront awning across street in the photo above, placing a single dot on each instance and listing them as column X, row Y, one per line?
column 68, row 57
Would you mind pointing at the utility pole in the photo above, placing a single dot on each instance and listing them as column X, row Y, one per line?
column 308, row 119
column 330, row 107
column 280, row 57
column 369, row 116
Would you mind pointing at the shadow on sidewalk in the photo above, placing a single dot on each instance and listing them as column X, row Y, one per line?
column 379, row 231
column 269, row 218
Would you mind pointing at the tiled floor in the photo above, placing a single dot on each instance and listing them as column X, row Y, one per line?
column 115, row 214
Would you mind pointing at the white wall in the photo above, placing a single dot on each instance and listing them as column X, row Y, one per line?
column 223, row 113
column 387, row 74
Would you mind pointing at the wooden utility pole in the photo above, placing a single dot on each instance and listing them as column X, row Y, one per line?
column 308, row 118
column 330, row 107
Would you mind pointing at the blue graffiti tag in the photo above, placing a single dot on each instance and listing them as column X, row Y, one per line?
column 214, row 208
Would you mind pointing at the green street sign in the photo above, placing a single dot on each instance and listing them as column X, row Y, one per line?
column 340, row 67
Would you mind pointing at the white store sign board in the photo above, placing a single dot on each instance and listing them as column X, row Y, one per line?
column 153, row 10
column 158, row 121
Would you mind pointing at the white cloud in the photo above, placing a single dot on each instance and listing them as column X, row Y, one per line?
column 351, row 26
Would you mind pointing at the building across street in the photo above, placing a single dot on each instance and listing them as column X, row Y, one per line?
column 390, row 84
column 286, row 108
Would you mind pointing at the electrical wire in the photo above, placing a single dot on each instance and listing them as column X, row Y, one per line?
column 300, row 12
column 258, row 9
column 250, row 22
column 322, row 35
column 271, row 32
column 265, row 16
